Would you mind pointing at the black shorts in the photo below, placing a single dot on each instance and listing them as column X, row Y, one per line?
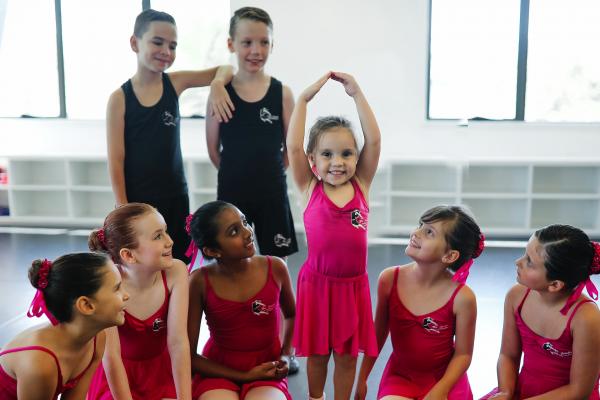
column 273, row 223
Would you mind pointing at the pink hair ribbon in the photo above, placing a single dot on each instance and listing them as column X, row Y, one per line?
column 37, row 308
column 192, row 250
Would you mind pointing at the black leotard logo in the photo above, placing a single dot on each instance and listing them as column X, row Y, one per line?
column 357, row 220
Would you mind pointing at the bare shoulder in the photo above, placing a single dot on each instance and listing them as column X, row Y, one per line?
column 587, row 318
column 287, row 93
column 278, row 266
column 465, row 297
column 515, row 295
column 117, row 98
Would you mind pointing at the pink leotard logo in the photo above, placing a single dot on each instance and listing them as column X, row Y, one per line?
column 259, row 308
column 555, row 352
column 158, row 324
column 431, row 326
column 357, row 219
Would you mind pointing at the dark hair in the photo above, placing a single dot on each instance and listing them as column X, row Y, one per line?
column 568, row 253
column 70, row 277
column 204, row 227
column 146, row 17
column 324, row 124
column 118, row 230
column 462, row 233
column 251, row 13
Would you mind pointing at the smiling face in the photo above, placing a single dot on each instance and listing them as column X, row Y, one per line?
column 335, row 156
column 156, row 49
column 428, row 243
column 252, row 43
column 235, row 236
column 111, row 298
column 154, row 243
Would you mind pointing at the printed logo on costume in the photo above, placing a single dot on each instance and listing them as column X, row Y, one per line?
column 431, row 326
column 168, row 119
column 158, row 324
column 266, row 116
column 357, row 220
column 555, row 352
column 282, row 241
column 259, row 308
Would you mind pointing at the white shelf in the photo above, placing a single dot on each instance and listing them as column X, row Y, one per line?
column 89, row 173
column 36, row 172
column 508, row 198
column 566, row 179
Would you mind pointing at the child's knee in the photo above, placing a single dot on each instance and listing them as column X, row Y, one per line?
column 345, row 360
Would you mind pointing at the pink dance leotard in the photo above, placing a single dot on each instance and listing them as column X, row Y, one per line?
column 333, row 310
column 145, row 356
column 243, row 334
column 8, row 384
column 423, row 346
column 546, row 362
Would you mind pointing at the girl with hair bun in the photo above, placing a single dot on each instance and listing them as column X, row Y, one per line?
column 549, row 320
column 81, row 295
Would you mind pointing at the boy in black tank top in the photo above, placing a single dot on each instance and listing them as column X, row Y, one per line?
column 249, row 150
column 144, row 153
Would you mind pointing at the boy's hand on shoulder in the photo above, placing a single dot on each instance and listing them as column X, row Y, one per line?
column 221, row 106
column 310, row 92
column 350, row 85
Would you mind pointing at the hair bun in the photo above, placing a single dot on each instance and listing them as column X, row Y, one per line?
column 480, row 246
column 595, row 267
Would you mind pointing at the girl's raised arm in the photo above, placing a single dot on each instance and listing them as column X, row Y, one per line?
column 177, row 340
column 369, row 156
column 298, row 160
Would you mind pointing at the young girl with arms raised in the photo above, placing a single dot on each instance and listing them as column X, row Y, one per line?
column 334, row 304
column 147, row 357
column 429, row 311
column 243, row 296
column 550, row 322
column 81, row 294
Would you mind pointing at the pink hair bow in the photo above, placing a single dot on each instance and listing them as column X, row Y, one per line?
column 587, row 284
column 462, row 273
column 37, row 308
column 192, row 250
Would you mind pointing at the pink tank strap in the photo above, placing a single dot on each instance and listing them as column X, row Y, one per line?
column 523, row 301
column 577, row 305
column 395, row 283
column 460, row 286
column 45, row 350
column 358, row 190
column 163, row 275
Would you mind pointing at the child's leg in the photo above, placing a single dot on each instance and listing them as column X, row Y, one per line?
column 316, row 371
column 343, row 375
column 219, row 394
column 266, row 393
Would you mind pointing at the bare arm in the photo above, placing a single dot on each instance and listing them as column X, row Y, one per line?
column 213, row 139
column 177, row 340
column 115, row 138
column 217, row 78
column 288, row 107
column 510, row 351
column 369, row 156
column 298, row 160
column 37, row 383
column 114, row 368
column 465, row 309
column 382, row 329
column 203, row 365
column 585, row 364
column 79, row 392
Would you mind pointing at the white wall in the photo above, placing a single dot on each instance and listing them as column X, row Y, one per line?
column 384, row 43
